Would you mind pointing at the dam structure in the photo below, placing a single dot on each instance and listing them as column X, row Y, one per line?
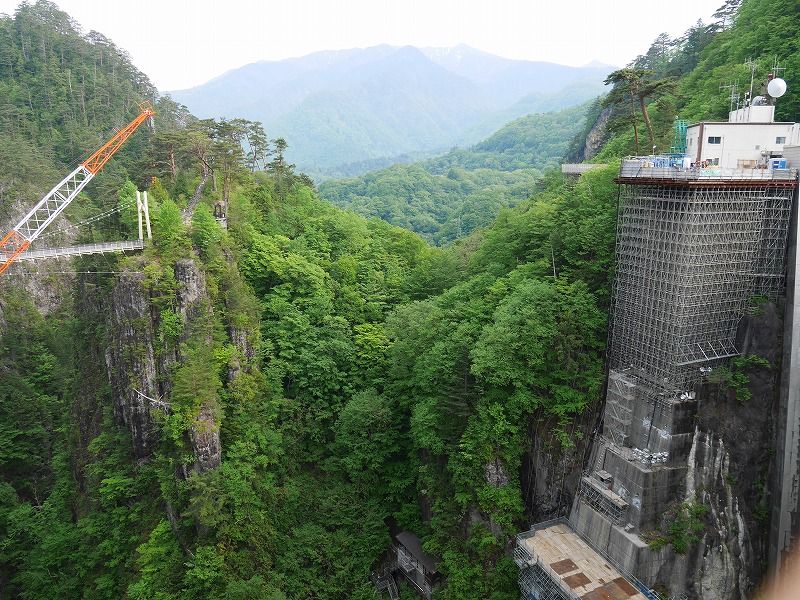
column 702, row 235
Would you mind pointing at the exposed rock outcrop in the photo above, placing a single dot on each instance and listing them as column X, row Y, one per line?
column 242, row 338
column 131, row 361
column 550, row 471
column 140, row 376
column 205, row 440
column 496, row 474
column 52, row 281
column 728, row 472
column 597, row 135
column 191, row 295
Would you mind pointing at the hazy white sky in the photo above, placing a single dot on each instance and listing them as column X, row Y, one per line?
column 182, row 43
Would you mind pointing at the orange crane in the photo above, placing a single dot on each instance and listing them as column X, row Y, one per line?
column 48, row 208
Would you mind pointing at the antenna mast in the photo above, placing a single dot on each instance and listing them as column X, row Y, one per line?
column 750, row 64
column 735, row 96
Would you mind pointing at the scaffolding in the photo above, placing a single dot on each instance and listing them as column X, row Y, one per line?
column 770, row 267
column 679, row 141
column 603, row 500
column 689, row 258
column 535, row 582
column 620, row 400
column 384, row 581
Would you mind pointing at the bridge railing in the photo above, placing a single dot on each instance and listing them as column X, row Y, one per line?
column 99, row 248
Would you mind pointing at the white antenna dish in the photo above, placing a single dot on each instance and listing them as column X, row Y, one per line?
column 776, row 88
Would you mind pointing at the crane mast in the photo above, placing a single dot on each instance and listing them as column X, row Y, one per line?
column 53, row 204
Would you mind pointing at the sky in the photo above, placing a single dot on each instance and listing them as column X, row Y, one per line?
column 183, row 43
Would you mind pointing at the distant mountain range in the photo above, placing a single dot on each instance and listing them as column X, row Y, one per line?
column 347, row 111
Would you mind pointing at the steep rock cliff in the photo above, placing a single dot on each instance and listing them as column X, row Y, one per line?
column 597, row 135
column 140, row 366
column 131, row 361
column 729, row 467
column 551, row 470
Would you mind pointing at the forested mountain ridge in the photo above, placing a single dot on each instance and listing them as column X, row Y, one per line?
column 51, row 114
column 234, row 414
column 448, row 197
column 64, row 92
column 344, row 108
column 237, row 413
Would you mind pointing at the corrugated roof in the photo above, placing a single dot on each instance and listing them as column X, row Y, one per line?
column 414, row 546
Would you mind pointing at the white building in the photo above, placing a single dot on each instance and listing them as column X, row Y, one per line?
column 749, row 139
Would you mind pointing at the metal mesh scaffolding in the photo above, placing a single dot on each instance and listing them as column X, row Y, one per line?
column 535, row 583
column 770, row 264
column 603, row 500
column 688, row 260
column 620, row 400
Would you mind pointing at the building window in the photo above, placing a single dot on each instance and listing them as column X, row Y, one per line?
column 714, row 139
column 780, row 140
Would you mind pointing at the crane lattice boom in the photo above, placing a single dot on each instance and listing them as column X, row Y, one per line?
column 48, row 208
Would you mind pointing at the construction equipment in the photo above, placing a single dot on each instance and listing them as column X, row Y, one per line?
column 53, row 204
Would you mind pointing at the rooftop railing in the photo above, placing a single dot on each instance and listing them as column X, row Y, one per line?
column 671, row 168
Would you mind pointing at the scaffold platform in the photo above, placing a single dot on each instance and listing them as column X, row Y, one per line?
column 558, row 564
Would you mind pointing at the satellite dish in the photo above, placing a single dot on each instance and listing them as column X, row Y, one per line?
column 776, row 88
column 760, row 101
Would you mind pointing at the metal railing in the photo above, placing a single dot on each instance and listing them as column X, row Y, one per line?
column 101, row 248
column 653, row 169
column 579, row 168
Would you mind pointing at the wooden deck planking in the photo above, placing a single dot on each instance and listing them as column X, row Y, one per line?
column 593, row 576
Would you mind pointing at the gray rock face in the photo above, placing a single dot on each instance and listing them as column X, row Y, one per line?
column 496, row 474
column 724, row 551
column 241, row 338
column 52, row 281
column 241, row 341
column 597, row 135
column 729, row 470
column 139, row 376
column 206, row 444
column 192, row 296
column 131, row 361
column 550, row 472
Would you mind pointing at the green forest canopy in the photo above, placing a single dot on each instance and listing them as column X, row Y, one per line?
column 385, row 373
column 448, row 197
